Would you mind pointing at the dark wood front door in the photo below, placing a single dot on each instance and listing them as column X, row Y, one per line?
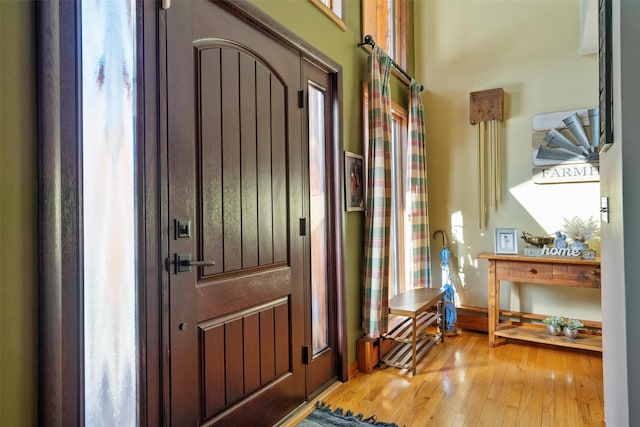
column 235, row 188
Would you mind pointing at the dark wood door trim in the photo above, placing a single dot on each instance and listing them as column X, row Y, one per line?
column 152, row 220
column 60, row 361
column 324, row 368
column 60, row 266
column 337, row 230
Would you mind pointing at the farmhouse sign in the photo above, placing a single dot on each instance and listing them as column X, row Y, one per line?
column 578, row 172
column 565, row 146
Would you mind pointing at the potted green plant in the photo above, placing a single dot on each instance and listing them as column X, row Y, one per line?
column 571, row 327
column 554, row 324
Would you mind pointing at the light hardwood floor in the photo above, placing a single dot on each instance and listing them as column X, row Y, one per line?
column 464, row 382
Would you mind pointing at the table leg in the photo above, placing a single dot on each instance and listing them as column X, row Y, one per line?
column 443, row 325
column 494, row 302
column 413, row 346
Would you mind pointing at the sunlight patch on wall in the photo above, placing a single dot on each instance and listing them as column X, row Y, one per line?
column 549, row 204
column 457, row 227
column 458, row 262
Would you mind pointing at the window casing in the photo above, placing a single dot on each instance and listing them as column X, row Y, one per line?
column 334, row 9
column 386, row 22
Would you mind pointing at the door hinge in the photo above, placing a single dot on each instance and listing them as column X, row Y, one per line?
column 301, row 99
column 166, row 4
column 305, row 355
column 303, row 226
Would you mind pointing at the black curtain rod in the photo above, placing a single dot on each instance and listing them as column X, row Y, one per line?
column 368, row 40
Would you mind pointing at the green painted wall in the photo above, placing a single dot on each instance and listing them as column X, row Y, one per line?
column 18, row 215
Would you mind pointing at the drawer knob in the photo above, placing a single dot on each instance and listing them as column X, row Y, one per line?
column 533, row 271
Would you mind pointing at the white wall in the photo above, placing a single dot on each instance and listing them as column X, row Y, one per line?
column 530, row 48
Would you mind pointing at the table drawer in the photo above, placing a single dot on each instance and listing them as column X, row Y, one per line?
column 584, row 275
column 528, row 272
column 587, row 276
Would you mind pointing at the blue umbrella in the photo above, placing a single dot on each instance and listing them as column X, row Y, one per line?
column 450, row 314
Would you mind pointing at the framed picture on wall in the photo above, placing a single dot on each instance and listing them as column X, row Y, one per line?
column 353, row 181
column 604, row 74
column 506, row 241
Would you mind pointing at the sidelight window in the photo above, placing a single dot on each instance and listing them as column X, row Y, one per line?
column 108, row 189
column 318, row 219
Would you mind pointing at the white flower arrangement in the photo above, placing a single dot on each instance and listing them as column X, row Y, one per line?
column 580, row 230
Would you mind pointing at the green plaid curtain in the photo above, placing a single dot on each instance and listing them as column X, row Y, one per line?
column 421, row 266
column 375, row 310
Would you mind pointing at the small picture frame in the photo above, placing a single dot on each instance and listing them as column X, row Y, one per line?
column 506, row 241
column 354, row 181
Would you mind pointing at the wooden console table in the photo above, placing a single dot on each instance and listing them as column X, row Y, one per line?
column 412, row 333
column 543, row 270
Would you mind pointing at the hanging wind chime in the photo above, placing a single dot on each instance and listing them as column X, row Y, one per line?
column 486, row 110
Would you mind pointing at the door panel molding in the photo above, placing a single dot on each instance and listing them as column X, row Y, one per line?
column 260, row 288
column 243, row 347
column 255, row 192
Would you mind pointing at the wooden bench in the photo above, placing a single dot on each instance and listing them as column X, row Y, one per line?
column 413, row 333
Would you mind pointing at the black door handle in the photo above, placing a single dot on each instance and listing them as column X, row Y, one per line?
column 184, row 262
